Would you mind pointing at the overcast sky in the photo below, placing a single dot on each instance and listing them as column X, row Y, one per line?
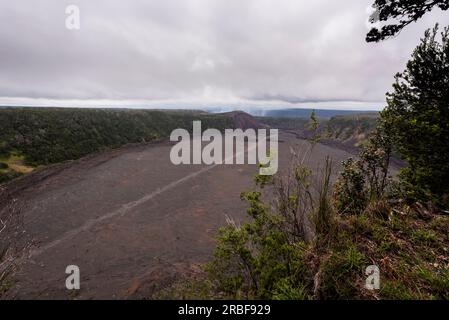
column 285, row 53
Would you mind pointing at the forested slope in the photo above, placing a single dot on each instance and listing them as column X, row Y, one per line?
column 30, row 137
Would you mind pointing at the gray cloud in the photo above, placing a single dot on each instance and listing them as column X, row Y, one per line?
column 197, row 51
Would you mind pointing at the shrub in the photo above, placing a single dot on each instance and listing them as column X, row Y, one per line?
column 349, row 191
column 266, row 257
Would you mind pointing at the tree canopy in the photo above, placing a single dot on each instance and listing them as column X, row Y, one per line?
column 403, row 11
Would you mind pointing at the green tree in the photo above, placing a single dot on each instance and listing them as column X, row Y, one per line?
column 403, row 11
column 417, row 118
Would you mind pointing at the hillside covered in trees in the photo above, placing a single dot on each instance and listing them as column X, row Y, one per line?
column 347, row 132
column 32, row 137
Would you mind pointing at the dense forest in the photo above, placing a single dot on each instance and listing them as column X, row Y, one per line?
column 31, row 137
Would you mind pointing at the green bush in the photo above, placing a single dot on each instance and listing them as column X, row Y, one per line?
column 350, row 196
column 257, row 260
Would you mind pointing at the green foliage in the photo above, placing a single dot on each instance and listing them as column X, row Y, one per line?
column 256, row 260
column 403, row 11
column 313, row 126
column 352, row 130
column 8, row 175
column 349, row 191
column 285, row 290
column 261, row 259
column 366, row 179
column 424, row 236
column 265, row 258
column 338, row 268
column 51, row 135
column 439, row 281
column 375, row 156
column 396, row 290
column 417, row 119
column 313, row 121
column 322, row 218
column 355, row 127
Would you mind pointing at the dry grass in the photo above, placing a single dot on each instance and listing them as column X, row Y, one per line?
column 17, row 163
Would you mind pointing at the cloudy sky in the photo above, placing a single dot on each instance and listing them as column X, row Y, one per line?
column 192, row 53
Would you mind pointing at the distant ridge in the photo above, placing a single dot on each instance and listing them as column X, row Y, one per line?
column 293, row 113
column 305, row 113
column 243, row 120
